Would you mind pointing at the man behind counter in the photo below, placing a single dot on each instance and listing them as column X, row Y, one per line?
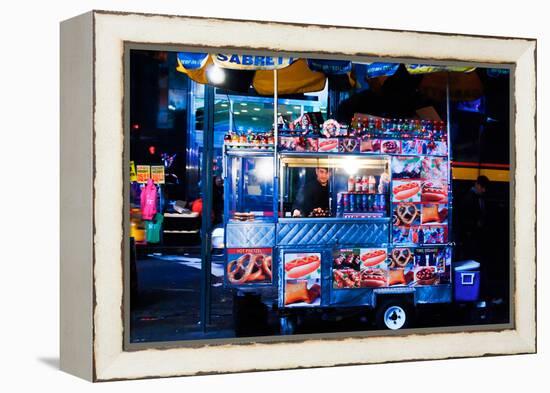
column 313, row 196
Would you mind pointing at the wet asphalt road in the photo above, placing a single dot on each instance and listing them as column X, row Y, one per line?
column 167, row 308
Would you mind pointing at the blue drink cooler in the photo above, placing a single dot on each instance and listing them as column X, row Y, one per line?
column 466, row 281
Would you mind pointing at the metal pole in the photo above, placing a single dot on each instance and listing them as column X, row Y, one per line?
column 275, row 116
column 449, row 155
column 206, row 180
column 276, row 144
column 230, row 114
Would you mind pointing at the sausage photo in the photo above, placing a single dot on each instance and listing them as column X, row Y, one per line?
column 301, row 267
column 374, row 257
column 406, row 191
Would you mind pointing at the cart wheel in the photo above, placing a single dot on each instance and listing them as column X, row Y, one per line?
column 287, row 325
column 393, row 314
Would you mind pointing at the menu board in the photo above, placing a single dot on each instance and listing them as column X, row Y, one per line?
column 419, row 200
column 249, row 266
column 419, row 266
column 399, row 266
column 360, row 268
column 302, row 279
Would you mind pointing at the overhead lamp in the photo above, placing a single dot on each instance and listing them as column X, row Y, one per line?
column 350, row 165
column 215, row 74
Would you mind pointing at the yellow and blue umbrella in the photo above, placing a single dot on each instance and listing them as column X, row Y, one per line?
column 241, row 71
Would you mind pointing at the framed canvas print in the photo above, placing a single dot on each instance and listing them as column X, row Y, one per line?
column 303, row 196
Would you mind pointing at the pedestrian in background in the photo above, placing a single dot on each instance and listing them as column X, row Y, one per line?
column 474, row 230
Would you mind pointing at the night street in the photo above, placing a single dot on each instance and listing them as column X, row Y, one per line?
column 168, row 307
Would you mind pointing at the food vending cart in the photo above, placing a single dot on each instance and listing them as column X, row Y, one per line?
column 324, row 215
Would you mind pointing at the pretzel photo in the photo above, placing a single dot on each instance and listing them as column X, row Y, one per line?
column 349, row 145
column 407, row 213
column 249, row 268
column 400, row 257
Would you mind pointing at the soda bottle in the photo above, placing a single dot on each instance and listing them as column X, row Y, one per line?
column 377, row 203
column 351, row 183
column 352, row 202
column 420, row 236
column 358, row 184
column 364, row 183
column 339, row 198
column 345, row 202
column 365, row 202
column 414, row 236
column 372, row 185
column 382, row 203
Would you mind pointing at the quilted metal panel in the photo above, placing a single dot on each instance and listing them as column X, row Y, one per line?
column 321, row 233
column 434, row 294
column 250, row 235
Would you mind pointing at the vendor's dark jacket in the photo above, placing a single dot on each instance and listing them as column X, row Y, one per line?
column 311, row 196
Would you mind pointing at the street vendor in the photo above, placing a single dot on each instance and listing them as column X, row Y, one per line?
column 313, row 198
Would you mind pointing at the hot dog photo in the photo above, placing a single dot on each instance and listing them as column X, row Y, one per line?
column 302, row 279
column 373, row 256
column 303, row 266
column 434, row 191
column 360, row 268
column 372, row 277
column 328, row 145
column 406, row 191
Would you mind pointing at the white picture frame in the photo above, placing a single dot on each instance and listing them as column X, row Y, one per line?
column 92, row 141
